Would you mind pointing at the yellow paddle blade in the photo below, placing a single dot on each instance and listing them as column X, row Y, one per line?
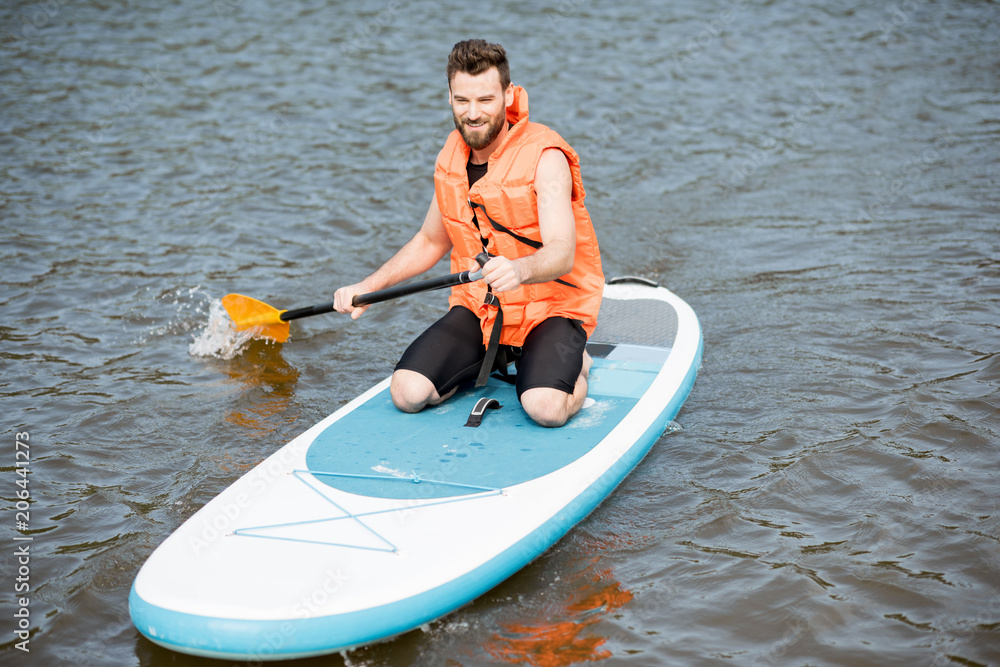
column 249, row 313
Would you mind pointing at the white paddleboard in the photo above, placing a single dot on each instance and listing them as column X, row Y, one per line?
column 374, row 522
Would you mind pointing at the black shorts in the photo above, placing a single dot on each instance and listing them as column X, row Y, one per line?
column 451, row 351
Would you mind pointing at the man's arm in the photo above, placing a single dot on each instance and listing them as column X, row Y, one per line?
column 554, row 190
column 424, row 250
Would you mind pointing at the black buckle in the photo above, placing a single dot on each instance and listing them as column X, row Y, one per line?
column 482, row 405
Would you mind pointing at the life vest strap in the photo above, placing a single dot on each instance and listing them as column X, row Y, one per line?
column 531, row 243
column 494, row 344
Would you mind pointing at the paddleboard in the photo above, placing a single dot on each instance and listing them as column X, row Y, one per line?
column 375, row 522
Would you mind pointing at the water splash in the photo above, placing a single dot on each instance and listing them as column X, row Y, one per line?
column 219, row 338
column 671, row 427
column 592, row 413
column 183, row 309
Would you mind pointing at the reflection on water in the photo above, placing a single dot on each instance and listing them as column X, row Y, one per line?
column 263, row 408
column 268, row 383
column 572, row 637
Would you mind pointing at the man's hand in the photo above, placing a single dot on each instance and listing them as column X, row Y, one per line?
column 342, row 300
column 502, row 274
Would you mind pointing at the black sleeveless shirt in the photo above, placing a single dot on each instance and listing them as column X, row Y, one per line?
column 476, row 171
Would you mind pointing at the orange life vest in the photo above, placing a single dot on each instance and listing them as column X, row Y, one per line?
column 506, row 210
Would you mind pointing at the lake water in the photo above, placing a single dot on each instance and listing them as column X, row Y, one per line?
column 819, row 180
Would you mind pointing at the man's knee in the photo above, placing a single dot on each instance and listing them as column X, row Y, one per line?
column 410, row 391
column 547, row 407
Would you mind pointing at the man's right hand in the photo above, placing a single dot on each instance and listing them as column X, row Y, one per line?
column 342, row 300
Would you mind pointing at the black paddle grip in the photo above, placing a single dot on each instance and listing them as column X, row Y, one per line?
column 296, row 313
column 449, row 280
column 392, row 292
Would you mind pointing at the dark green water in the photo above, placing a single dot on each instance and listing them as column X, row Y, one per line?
column 820, row 181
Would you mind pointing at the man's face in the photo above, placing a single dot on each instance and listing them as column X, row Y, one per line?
column 479, row 104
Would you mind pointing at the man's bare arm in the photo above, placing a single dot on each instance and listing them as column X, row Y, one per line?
column 554, row 190
column 420, row 253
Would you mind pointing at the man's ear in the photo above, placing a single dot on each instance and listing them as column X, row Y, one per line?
column 509, row 95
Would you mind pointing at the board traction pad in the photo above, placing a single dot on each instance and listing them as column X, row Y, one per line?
column 654, row 325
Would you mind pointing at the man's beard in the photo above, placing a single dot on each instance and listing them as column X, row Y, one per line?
column 480, row 139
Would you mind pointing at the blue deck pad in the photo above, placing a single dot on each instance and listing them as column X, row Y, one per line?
column 378, row 451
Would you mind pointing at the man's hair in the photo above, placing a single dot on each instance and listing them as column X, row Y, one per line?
column 475, row 56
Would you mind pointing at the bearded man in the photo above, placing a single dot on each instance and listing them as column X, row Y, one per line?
column 511, row 188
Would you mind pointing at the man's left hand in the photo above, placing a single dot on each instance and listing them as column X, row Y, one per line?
column 502, row 274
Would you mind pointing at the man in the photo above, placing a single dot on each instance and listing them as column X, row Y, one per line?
column 512, row 188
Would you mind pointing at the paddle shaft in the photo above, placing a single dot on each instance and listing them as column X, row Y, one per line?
column 449, row 280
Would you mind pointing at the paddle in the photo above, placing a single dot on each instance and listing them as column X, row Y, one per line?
column 272, row 323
